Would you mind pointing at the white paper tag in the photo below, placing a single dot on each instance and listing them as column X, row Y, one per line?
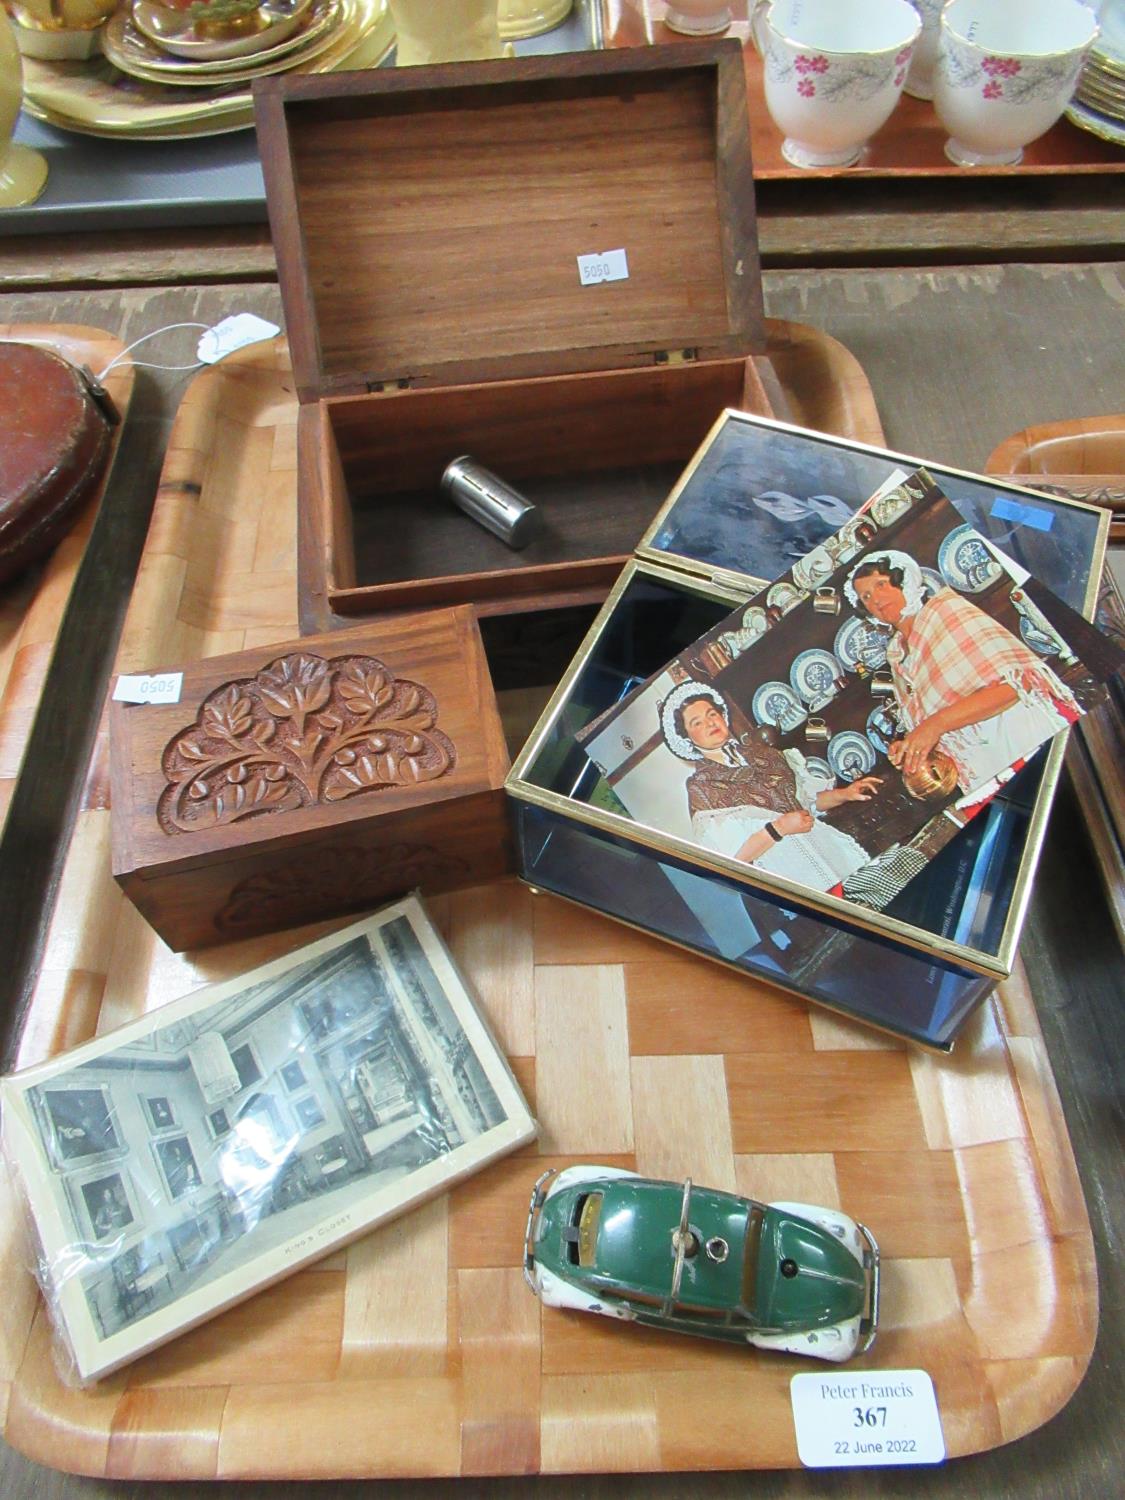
column 608, row 265
column 872, row 1417
column 149, row 687
column 233, row 333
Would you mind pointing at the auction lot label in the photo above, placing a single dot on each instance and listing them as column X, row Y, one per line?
column 874, row 1417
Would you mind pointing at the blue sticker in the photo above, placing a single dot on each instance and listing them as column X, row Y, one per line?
column 1024, row 515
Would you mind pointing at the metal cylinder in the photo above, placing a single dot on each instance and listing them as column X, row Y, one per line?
column 488, row 500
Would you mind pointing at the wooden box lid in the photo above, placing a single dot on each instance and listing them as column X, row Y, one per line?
column 284, row 742
column 427, row 221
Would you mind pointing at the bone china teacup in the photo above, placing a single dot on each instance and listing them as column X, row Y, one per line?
column 1006, row 71
column 833, row 72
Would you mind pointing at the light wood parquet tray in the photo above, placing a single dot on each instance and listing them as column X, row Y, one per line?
column 419, row 1351
column 32, row 605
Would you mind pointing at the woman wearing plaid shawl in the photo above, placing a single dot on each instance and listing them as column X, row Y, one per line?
column 753, row 802
column 961, row 679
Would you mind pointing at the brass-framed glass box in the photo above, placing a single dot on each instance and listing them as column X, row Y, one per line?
column 757, row 496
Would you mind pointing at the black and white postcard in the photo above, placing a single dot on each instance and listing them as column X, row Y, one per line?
column 192, row 1157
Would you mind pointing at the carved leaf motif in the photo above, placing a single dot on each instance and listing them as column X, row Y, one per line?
column 365, row 689
column 295, row 686
column 228, row 714
column 387, row 759
column 304, row 730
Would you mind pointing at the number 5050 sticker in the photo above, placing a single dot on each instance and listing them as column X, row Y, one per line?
column 874, row 1417
column 606, row 265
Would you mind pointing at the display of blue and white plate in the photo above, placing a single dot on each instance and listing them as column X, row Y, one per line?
column 847, row 541
column 880, row 729
column 817, row 766
column 859, row 641
column 1037, row 639
column 813, row 568
column 815, row 674
column 753, row 625
column 776, row 703
column 851, row 755
column 784, row 596
column 933, row 582
column 965, row 561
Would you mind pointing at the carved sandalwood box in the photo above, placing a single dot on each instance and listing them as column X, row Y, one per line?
column 549, row 264
column 299, row 781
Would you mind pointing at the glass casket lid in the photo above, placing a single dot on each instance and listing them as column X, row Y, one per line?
column 761, row 494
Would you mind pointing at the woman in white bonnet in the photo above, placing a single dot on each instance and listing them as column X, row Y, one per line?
column 756, row 803
column 963, row 682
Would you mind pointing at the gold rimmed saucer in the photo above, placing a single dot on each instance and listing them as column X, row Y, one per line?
column 174, row 30
column 95, row 98
column 132, row 52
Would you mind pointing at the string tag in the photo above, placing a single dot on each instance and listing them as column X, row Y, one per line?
column 234, row 333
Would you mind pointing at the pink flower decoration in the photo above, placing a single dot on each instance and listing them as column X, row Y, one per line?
column 805, row 64
column 806, row 87
column 903, row 56
column 1002, row 67
column 820, row 65
column 900, row 77
column 992, row 90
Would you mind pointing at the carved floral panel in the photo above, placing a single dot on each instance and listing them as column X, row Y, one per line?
column 305, row 731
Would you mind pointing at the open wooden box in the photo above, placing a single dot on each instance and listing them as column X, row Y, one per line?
column 428, row 225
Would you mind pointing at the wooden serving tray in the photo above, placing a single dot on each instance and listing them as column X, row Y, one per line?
column 419, row 1351
column 911, row 144
column 32, row 605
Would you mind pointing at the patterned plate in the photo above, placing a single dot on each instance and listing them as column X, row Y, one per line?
column 813, row 568
column 1036, row 639
column 816, row 766
column 1096, row 123
column 858, row 641
column 880, row 729
column 851, row 755
column 965, row 561
column 784, row 596
column 753, row 625
column 815, row 675
column 933, row 580
column 776, row 703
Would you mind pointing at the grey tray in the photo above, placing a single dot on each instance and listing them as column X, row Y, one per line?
column 101, row 184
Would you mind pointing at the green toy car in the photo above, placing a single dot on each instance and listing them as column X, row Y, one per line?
column 782, row 1276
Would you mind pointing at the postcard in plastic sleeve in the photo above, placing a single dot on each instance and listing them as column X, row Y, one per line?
column 176, row 1165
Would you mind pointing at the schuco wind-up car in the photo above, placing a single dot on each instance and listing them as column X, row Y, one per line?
column 781, row 1276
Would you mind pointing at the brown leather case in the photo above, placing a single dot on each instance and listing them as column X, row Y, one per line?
column 54, row 439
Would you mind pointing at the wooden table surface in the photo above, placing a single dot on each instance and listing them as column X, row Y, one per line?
column 958, row 358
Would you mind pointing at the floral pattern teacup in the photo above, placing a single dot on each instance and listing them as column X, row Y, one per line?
column 833, row 72
column 920, row 79
column 1006, row 72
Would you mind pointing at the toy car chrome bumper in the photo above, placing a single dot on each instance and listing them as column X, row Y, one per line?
column 869, row 1322
column 538, row 1197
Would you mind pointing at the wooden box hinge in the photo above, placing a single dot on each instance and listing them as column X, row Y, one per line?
column 377, row 387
